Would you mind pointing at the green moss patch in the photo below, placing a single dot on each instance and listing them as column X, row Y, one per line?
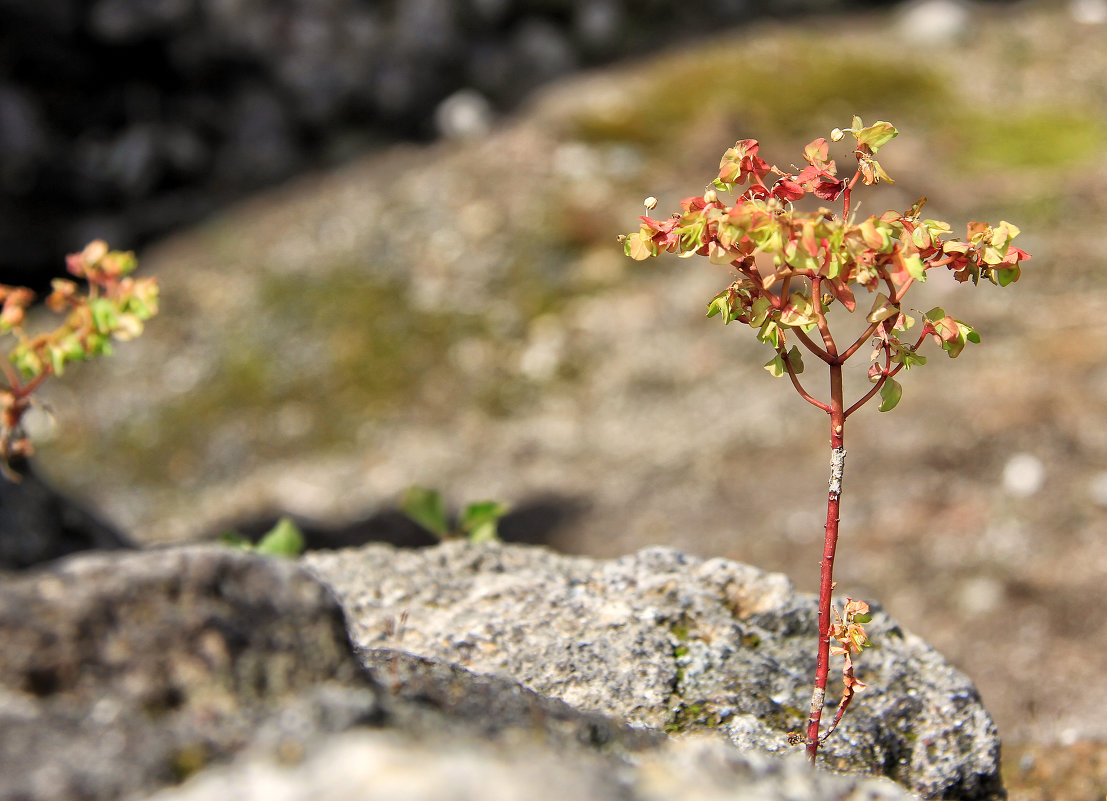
column 768, row 95
column 1037, row 139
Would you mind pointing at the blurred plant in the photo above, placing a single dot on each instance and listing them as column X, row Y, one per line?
column 284, row 539
column 478, row 522
column 793, row 269
column 113, row 306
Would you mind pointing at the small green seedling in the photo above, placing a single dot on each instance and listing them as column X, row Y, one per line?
column 793, row 269
column 284, row 539
column 112, row 306
column 478, row 522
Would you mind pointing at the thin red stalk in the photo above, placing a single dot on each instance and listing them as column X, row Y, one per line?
column 848, row 190
column 811, row 346
column 843, row 705
column 796, row 383
column 830, row 543
column 857, row 343
column 13, row 378
column 824, row 329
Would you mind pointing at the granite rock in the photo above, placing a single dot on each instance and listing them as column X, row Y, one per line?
column 667, row 640
column 384, row 766
column 121, row 673
column 232, row 675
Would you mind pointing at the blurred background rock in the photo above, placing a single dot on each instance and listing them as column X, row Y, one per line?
column 125, row 119
column 456, row 313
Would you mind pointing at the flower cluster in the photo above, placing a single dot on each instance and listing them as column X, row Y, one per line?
column 792, row 265
column 115, row 306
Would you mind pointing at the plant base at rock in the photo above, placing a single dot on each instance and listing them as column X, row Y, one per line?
column 664, row 639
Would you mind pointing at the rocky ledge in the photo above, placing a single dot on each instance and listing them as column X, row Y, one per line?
column 205, row 673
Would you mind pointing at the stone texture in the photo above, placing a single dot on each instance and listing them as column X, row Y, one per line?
column 122, row 673
column 381, row 766
column 671, row 641
column 125, row 674
column 430, row 697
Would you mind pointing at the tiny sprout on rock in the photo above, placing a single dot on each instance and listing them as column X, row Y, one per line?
column 794, row 269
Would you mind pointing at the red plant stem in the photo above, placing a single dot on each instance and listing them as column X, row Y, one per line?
column 857, row 343
column 796, row 382
column 830, row 543
column 811, row 346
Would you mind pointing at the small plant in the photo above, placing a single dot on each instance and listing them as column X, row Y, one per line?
column 478, row 522
column 793, row 269
column 113, row 305
column 284, row 539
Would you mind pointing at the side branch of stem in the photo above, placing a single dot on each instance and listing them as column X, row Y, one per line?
column 807, row 396
column 811, row 346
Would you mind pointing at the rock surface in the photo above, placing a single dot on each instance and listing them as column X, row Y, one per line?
column 233, row 676
column 381, row 766
column 121, row 673
column 671, row 641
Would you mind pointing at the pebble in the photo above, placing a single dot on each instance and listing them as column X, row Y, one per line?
column 1023, row 475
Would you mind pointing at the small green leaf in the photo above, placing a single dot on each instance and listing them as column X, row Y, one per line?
column 862, row 619
column 284, row 539
column 795, row 358
column 719, row 305
column 770, row 332
column 759, row 311
column 799, row 311
column 882, row 309
column 876, row 135
column 639, row 247
column 775, row 366
column 890, row 393
column 479, row 520
column 915, row 267
column 912, row 359
column 424, row 506
column 232, row 539
column 103, row 314
column 971, row 336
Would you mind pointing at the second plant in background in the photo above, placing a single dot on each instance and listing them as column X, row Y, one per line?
column 112, row 306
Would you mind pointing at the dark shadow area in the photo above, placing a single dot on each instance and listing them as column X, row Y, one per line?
column 128, row 120
column 537, row 521
column 39, row 524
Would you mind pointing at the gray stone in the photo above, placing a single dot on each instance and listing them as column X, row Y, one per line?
column 666, row 640
column 384, row 766
column 123, row 673
column 428, row 697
